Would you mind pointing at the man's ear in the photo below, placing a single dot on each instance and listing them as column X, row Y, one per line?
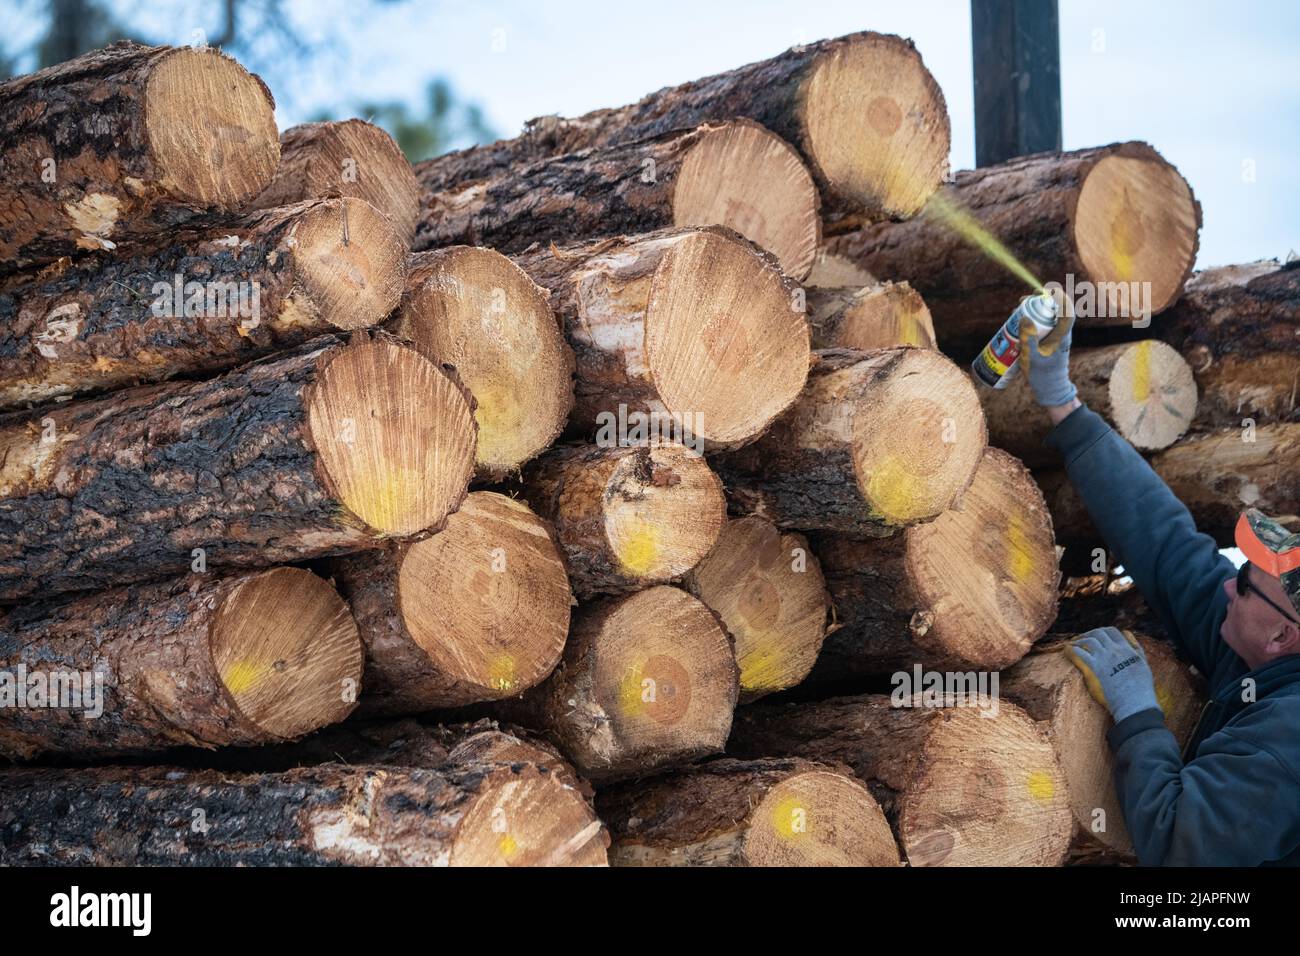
column 1286, row 641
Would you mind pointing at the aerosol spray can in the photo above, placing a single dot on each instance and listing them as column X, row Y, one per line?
column 994, row 363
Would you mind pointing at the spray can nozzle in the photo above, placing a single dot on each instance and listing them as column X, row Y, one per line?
column 996, row 360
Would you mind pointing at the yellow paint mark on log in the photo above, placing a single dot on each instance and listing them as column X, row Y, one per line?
column 1142, row 372
column 893, row 491
column 242, row 676
column 1041, row 786
column 508, row 846
column 630, row 692
column 1164, row 699
column 790, row 819
column 762, row 662
column 385, row 502
column 640, row 547
column 499, row 419
column 1019, row 560
column 501, row 671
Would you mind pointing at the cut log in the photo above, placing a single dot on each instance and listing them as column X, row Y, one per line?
column 1108, row 217
column 877, row 316
column 696, row 326
column 200, row 303
column 1051, row 690
column 878, row 441
column 204, row 661
column 327, row 449
column 734, row 174
column 125, row 142
column 462, row 814
column 975, row 588
column 774, row 812
column 349, row 158
column 1237, row 327
column 768, row 589
column 1144, row 389
column 1216, row 475
column 837, row 272
column 960, row 786
column 475, row 309
column 476, row 612
column 627, row 517
column 863, row 111
column 647, row 681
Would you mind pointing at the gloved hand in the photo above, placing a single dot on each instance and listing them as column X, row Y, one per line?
column 1115, row 670
column 1047, row 363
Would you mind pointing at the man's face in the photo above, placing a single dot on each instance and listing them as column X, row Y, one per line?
column 1258, row 632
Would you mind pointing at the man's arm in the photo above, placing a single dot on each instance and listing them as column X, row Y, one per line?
column 1232, row 806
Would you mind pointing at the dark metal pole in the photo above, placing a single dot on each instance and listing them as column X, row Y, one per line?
column 1017, row 54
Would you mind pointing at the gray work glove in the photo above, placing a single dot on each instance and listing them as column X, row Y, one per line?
column 1116, row 671
column 1048, row 368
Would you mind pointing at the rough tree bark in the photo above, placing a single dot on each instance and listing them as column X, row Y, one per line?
column 695, row 326
column 975, row 588
column 204, row 661
column 476, row 612
column 863, row 111
column 476, row 310
column 734, row 174
column 347, row 158
column 323, row 450
column 959, row 787
column 773, row 812
column 1144, row 389
column 126, row 142
column 200, row 302
column 465, row 813
column 879, row 440
column 769, row 591
column 647, row 681
column 1112, row 214
column 627, row 517
column 1051, row 690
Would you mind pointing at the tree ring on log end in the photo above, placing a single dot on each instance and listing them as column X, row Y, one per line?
column 742, row 176
column 726, row 346
column 772, row 600
column 502, row 629
column 819, row 818
column 987, row 568
column 1017, row 815
column 524, row 815
column 1136, row 221
column 1152, row 394
column 664, row 675
column 877, row 126
column 393, row 434
column 211, row 129
column 287, row 651
column 664, row 508
column 918, row 435
column 350, row 262
column 475, row 309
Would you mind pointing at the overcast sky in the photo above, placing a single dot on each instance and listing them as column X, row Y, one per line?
column 1213, row 84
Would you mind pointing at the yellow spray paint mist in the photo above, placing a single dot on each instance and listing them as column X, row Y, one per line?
column 958, row 219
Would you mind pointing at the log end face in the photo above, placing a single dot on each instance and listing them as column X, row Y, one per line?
column 475, row 309
column 350, row 262
column 1153, row 394
column 663, row 510
column 211, row 129
column 1136, row 227
column 288, row 652
column 487, row 599
column 356, row 159
column 525, row 815
column 394, row 436
column 916, row 466
column 819, row 818
column 988, row 791
column 769, row 591
column 877, row 126
column 742, row 176
column 725, row 338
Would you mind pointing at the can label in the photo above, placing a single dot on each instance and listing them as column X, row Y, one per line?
column 996, row 359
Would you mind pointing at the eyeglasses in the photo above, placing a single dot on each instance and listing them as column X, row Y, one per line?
column 1244, row 588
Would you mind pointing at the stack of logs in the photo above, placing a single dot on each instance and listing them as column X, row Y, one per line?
column 568, row 446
